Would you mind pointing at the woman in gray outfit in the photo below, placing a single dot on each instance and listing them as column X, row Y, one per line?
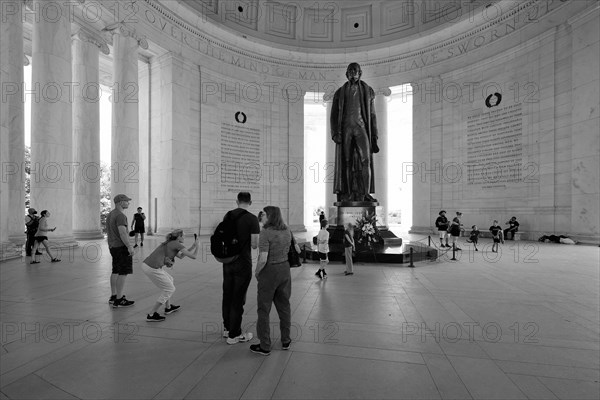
column 274, row 280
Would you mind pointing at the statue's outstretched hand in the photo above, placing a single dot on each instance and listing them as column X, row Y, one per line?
column 375, row 147
column 337, row 138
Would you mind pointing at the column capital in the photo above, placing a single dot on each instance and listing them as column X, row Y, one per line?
column 328, row 97
column 120, row 28
column 94, row 38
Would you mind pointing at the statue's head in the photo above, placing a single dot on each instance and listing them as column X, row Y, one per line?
column 353, row 72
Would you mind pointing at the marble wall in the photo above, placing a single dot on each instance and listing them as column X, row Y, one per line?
column 534, row 155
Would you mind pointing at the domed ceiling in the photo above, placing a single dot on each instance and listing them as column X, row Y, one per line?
column 336, row 25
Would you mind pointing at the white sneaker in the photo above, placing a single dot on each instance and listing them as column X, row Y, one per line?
column 225, row 333
column 244, row 337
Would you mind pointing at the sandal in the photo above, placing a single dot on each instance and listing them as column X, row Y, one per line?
column 34, row 262
column 55, row 260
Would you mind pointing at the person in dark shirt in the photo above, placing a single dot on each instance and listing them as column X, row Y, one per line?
column 496, row 236
column 238, row 273
column 455, row 228
column 513, row 226
column 474, row 236
column 441, row 224
column 140, row 228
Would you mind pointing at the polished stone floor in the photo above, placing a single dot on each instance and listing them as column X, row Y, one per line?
column 521, row 324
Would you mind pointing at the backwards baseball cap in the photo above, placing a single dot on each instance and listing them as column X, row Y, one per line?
column 441, row 212
column 32, row 211
column 121, row 197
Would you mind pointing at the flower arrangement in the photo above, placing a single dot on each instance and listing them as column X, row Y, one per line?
column 367, row 232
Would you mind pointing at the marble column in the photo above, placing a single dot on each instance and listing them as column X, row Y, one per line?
column 293, row 175
column 585, row 124
column 172, row 186
column 86, row 47
column 329, row 162
column 13, row 141
column 422, row 112
column 52, row 167
column 382, row 97
column 125, row 114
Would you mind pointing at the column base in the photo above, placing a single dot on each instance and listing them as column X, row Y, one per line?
column 10, row 251
column 88, row 234
column 297, row 228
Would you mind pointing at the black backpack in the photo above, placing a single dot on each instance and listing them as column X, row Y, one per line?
column 33, row 226
column 224, row 243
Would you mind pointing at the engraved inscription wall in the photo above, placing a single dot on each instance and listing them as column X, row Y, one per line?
column 240, row 158
column 495, row 147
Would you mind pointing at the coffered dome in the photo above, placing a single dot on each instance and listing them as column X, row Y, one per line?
column 336, row 25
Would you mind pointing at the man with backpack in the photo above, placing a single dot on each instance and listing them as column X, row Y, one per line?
column 231, row 244
column 32, row 223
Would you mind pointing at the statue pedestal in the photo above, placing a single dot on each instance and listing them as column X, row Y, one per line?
column 349, row 212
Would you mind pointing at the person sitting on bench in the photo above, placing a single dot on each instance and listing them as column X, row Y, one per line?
column 513, row 227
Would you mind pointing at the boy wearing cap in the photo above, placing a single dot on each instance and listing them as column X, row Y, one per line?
column 442, row 224
column 120, row 250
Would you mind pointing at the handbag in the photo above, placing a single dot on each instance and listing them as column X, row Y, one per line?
column 294, row 254
column 167, row 261
column 131, row 233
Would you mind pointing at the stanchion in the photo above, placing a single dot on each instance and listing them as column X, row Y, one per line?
column 304, row 250
column 453, row 252
column 429, row 241
column 411, row 265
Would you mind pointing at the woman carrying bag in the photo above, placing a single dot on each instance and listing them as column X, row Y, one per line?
column 274, row 280
column 154, row 266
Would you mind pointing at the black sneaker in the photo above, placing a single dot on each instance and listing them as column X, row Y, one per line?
column 156, row 317
column 112, row 299
column 122, row 302
column 318, row 273
column 142, row 244
column 255, row 348
column 324, row 274
column 135, row 246
column 286, row 346
column 172, row 309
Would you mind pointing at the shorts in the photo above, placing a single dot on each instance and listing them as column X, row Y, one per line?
column 322, row 256
column 443, row 234
column 141, row 229
column 455, row 232
column 122, row 262
column 496, row 239
column 41, row 238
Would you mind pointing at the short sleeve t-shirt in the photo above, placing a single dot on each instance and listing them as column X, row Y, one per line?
column 323, row 236
column 157, row 257
column 347, row 242
column 276, row 243
column 495, row 230
column 114, row 219
column 247, row 225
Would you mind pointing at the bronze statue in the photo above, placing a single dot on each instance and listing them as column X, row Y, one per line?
column 354, row 131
